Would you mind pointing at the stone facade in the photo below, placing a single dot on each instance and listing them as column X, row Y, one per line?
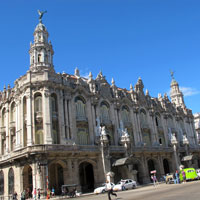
column 197, row 125
column 66, row 129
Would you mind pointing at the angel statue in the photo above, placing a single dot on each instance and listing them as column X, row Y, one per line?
column 41, row 13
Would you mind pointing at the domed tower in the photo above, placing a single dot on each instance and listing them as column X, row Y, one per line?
column 41, row 51
column 175, row 94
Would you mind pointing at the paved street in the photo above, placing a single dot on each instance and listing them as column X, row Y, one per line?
column 190, row 190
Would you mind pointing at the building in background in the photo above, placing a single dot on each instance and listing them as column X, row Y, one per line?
column 197, row 125
column 58, row 129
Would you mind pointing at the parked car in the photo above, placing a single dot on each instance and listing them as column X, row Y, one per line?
column 125, row 185
column 198, row 173
column 169, row 179
column 190, row 174
column 102, row 189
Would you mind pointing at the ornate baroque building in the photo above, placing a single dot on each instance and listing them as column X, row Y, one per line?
column 74, row 130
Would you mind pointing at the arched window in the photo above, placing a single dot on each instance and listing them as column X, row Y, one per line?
column 104, row 109
column 10, row 181
column 3, row 117
column 80, row 108
column 38, row 104
column 54, row 103
column 125, row 114
column 143, row 118
column 12, row 115
column 158, row 120
column 1, row 183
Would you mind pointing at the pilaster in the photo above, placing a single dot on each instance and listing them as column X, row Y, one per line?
column 47, row 122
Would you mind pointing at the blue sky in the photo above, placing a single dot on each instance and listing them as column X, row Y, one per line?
column 126, row 39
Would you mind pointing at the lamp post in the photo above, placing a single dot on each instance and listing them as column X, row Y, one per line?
column 105, row 153
column 174, row 143
column 186, row 144
column 125, row 140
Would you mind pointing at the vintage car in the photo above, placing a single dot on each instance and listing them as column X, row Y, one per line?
column 169, row 179
column 102, row 188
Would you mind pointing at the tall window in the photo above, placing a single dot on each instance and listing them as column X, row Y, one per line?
column 80, row 108
column 12, row 116
column 38, row 104
column 125, row 114
column 1, row 183
column 3, row 117
column 143, row 118
column 104, row 112
column 10, row 181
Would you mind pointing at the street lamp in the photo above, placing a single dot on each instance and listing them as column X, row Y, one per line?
column 125, row 140
column 174, row 143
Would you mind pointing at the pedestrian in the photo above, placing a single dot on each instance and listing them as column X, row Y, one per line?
column 35, row 193
column 177, row 177
column 110, row 190
column 15, row 196
column 53, row 192
column 153, row 177
column 184, row 176
column 39, row 193
column 23, row 195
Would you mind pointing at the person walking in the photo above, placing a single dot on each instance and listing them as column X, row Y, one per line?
column 110, row 190
column 184, row 176
column 177, row 177
column 39, row 193
column 35, row 193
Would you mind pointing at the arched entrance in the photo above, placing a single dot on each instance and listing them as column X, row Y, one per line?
column 166, row 166
column 27, row 178
column 86, row 175
column 56, row 178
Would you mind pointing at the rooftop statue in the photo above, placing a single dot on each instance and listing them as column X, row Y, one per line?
column 41, row 13
column 172, row 74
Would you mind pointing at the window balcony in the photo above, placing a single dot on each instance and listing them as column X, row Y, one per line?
column 106, row 121
column 81, row 118
column 127, row 124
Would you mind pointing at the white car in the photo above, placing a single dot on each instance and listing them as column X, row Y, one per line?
column 102, row 189
column 125, row 185
column 198, row 173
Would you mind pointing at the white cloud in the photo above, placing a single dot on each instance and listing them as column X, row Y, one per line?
column 188, row 91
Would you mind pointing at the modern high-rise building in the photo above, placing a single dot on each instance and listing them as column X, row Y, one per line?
column 60, row 129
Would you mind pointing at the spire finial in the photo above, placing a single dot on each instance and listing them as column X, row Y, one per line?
column 41, row 13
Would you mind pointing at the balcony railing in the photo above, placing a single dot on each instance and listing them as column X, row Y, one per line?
column 81, row 118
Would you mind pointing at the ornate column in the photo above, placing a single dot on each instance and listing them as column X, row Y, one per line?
column 29, row 117
column 153, row 128
column 90, row 121
column 17, row 123
column 61, row 121
column 7, row 128
column 47, row 117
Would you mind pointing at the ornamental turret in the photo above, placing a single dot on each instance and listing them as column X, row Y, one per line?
column 175, row 94
column 41, row 51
